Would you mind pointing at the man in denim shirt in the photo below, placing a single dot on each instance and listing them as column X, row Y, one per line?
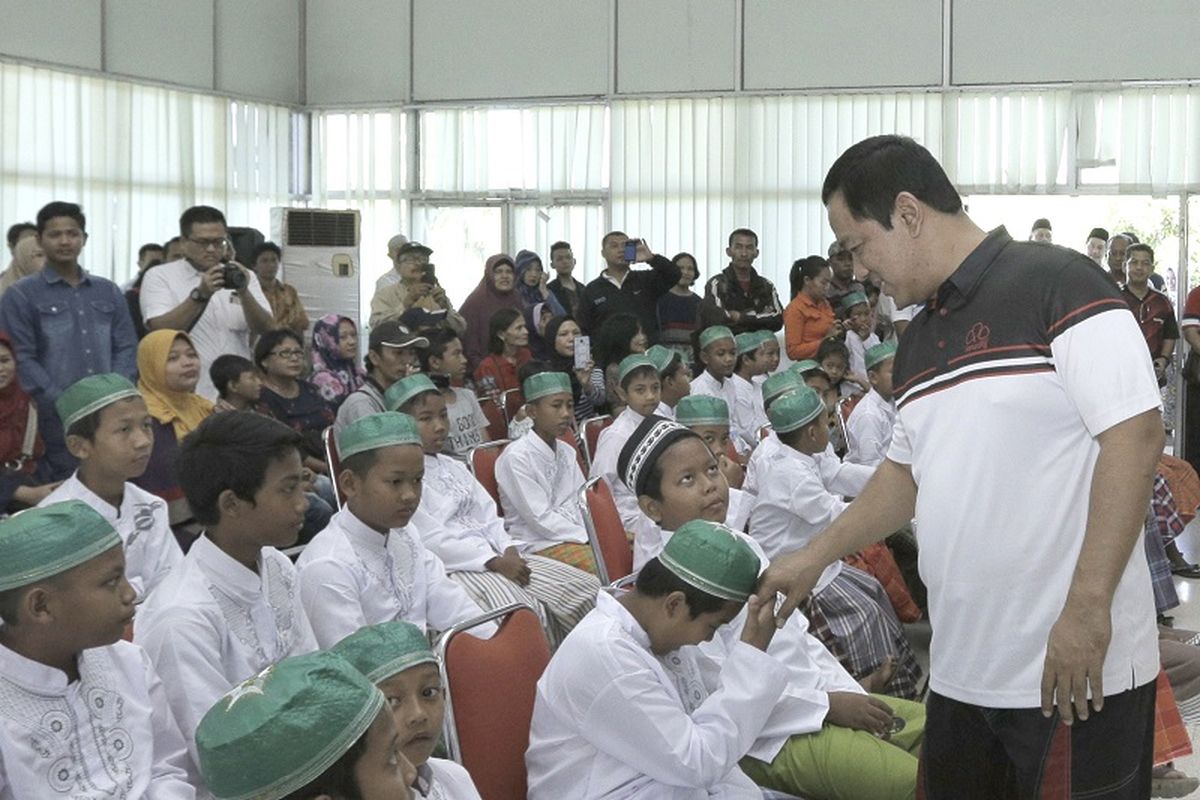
column 65, row 323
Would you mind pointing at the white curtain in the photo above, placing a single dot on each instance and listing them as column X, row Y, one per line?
column 1151, row 135
column 134, row 157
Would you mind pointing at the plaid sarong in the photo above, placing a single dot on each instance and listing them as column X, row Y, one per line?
column 1171, row 739
column 579, row 556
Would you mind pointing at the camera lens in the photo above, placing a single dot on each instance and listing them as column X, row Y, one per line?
column 234, row 277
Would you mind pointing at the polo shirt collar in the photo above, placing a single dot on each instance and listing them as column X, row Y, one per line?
column 50, row 275
column 964, row 279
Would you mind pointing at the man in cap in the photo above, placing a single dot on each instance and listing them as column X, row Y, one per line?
column 415, row 286
column 1097, row 239
column 1041, row 231
column 842, row 282
column 391, row 355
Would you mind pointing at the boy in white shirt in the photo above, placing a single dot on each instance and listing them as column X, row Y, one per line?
column 539, row 477
column 855, row 311
column 624, row 710
column 775, row 387
column 748, row 415
column 769, row 356
column 708, row 417
column 718, row 353
column 396, row 657
column 370, row 565
column 674, row 377
column 82, row 714
column 641, row 390
column 233, row 606
column 109, row 430
column 460, row 525
column 869, row 427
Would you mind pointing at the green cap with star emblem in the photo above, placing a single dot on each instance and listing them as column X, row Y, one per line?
column 375, row 431
column 383, row 650
column 42, row 542
column 91, row 394
column 712, row 558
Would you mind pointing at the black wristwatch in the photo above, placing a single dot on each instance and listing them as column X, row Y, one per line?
column 198, row 297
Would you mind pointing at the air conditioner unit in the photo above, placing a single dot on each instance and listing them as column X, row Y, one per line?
column 320, row 258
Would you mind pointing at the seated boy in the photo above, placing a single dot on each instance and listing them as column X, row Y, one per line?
column 708, row 416
column 458, row 522
column 82, row 713
column 369, row 565
column 444, row 362
column 822, row 739
column 769, row 358
column 109, row 430
column 623, row 709
column 540, row 478
column 794, row 505
column 674, row 379
column 308, row 728
column 233, row 606
column 238, row 383
column 395, row 656
column 775, row 387
column 748, row 414
column 869, row 427
column 641, row 390
column 718, row 354
column 855, row 312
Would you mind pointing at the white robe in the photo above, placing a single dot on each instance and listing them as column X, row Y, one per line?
column 766, row 450
column 108, row 736
column 439, row 779
column 858, row 351
column 869, row 429
column 665, row 411
column 539, row 490
column 352, row 576
column 604, row 465
column 749, row 414
column 216, row 623
column 466, row 532
column 706, row 384
column 150, row 547
column 611, row 719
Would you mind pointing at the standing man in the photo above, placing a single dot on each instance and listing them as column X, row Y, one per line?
column 393, row 250
column 191, row 295
column 1041, row 231
column 1115, row 255
column 564, row 285
column 738, row 297
column 1152, row 308
column 622, row 289
column 842, row 282
column 1025, row 443
column 1097, row 239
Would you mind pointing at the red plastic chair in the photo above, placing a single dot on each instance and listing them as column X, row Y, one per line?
column 497, row 423
column 570, row 438
column 335, row 465
column 847, row 404
column 491, row 685
column 606, row 532
column 481, row 459
column 591, row 434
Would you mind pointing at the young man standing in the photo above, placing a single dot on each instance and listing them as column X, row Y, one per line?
column 621, row 288
column 564, row 286
column 738, row 297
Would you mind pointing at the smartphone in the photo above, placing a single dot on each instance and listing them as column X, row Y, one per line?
column 430, row 274
column 631, row 250
column 583, row 351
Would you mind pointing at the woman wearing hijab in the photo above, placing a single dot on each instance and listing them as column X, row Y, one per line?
column 26, row 473
column 336, row 368
column 28, row 258
column 587, row 384
column 495, row 291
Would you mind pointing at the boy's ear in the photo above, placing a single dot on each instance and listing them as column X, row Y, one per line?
column 704, row 356
column 675, row 604
column 79, row 447
column 228, row 503
column 651, row 508
column 350, row 482
column 35, row 604
column 620, row 390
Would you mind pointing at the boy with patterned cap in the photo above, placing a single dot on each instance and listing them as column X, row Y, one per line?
column 855, row 311
column 458, row 521
column 396, row 657
column 747, row 413
column 233, row 606
column 821, row 740
column 718, row 354
column 708, row 416
column 369, row 565
column 623, row 708
column 82, row 714
column 853, row 614
column 308, row 728
column 109, row 431
column 869, row 427
column 674, row 378
column 539, row 477
column 641, row 390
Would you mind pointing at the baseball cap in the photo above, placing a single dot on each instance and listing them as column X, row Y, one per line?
column 392, row 334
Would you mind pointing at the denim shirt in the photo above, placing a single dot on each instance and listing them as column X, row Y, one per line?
column 63, row 333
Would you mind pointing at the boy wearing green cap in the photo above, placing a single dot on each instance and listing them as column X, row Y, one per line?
column 82, row 714
column 855, row 312
column 369, row 565
column 458, row 521
column 674, row 378
column 718, row 354
column 109, row 430
column 708, row 417
column 822, row 740
column 624, row 710
column 396, row 657
column 308, row 728
column 801, row 499
column 747, row 413
column 774, row 387
column 869, row 427
column 233, row 606
column 539, row 477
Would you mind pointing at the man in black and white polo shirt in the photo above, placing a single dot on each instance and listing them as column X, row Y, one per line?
column 1025, row 445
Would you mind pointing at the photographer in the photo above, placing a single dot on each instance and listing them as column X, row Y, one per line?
column 215, row 299
column 417, row 288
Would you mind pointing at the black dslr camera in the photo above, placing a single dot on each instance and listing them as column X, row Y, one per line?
column 233, row 276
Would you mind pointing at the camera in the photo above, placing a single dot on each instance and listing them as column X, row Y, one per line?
column 233, row 276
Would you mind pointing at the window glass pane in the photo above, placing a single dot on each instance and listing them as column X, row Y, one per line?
column 462, row 239
column 582, row 226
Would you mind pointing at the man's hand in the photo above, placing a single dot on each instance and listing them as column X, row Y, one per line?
column 734, row 316
column 860, row 712
column 793, row 575
column 1075, row 661
column 511, row 566
column 213, row 280
column 758, row 629
column 644, row 253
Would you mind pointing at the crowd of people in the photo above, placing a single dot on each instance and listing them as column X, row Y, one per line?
column 166, row 442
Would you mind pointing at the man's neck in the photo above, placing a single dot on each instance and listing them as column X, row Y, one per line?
column 567, row 282
column 238, row 402
column 267, row 283
column 841, row 285
column 69, row 272
column 37, row 648
column 1139, row 290
column 742, row 271
column 618, row 271
column 233, row 544
column 956, row 237
column 195, row 266
column 108, row 488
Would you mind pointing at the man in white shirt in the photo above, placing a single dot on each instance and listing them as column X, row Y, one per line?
column 194, row 294
column 869, row 428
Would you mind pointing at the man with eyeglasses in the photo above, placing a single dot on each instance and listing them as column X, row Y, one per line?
column 190, row 294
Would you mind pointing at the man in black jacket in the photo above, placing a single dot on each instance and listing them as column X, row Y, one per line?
column 738, row 296
column 621, row 289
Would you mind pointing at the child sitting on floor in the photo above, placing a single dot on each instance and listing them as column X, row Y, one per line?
column 674, row 378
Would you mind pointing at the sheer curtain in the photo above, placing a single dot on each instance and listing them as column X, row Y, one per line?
column 1150, row 134
column 134, row 157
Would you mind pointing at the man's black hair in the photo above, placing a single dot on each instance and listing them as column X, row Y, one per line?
column 743, row 232
column 198, row 215
column 270, row 340
column 559, row 246
column 1139, row 247
column 655, row 580
column 266, row 247
column 871, row 173
column 439, row 339
column 611, row 234
column 15, row 231
column 60, row 209
column 147, row 247
column 337, row 781
column 226, row 369
column 230, row 451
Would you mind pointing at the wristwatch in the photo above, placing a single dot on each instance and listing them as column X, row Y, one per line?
column 198, row 297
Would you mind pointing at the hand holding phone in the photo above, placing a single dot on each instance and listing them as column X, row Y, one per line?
column 631, row 248
column 583, row 351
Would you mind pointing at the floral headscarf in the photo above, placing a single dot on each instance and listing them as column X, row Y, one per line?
column 334, row 376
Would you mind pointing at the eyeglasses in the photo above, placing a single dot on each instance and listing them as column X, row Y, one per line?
column 209, row 244
column 289, row 354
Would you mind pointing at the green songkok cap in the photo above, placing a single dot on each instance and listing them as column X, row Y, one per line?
column 406, row 389
column 46, row 541
column 801, row 367
column 879, row 353
column 747, row 342
column 383, row 650
column 630, row 363
column 90, row 395
column 663, row 357
column 781, row 383
column 851, row 300
column 376, row 431
column 280, row 730
column 713, row 559
column 795, row 410
column 544, row 384
column 702, row 409
column 715, row 334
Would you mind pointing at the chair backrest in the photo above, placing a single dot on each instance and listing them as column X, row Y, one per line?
column 335, row 464
column 491, row 685
column 482, row 461
column 497, row 423
column 847, row 404
column 591, row 434
column 513, row 400
column 606, row 532
column 570, row 438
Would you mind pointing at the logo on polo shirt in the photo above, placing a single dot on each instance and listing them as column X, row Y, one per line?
column 977, row 337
